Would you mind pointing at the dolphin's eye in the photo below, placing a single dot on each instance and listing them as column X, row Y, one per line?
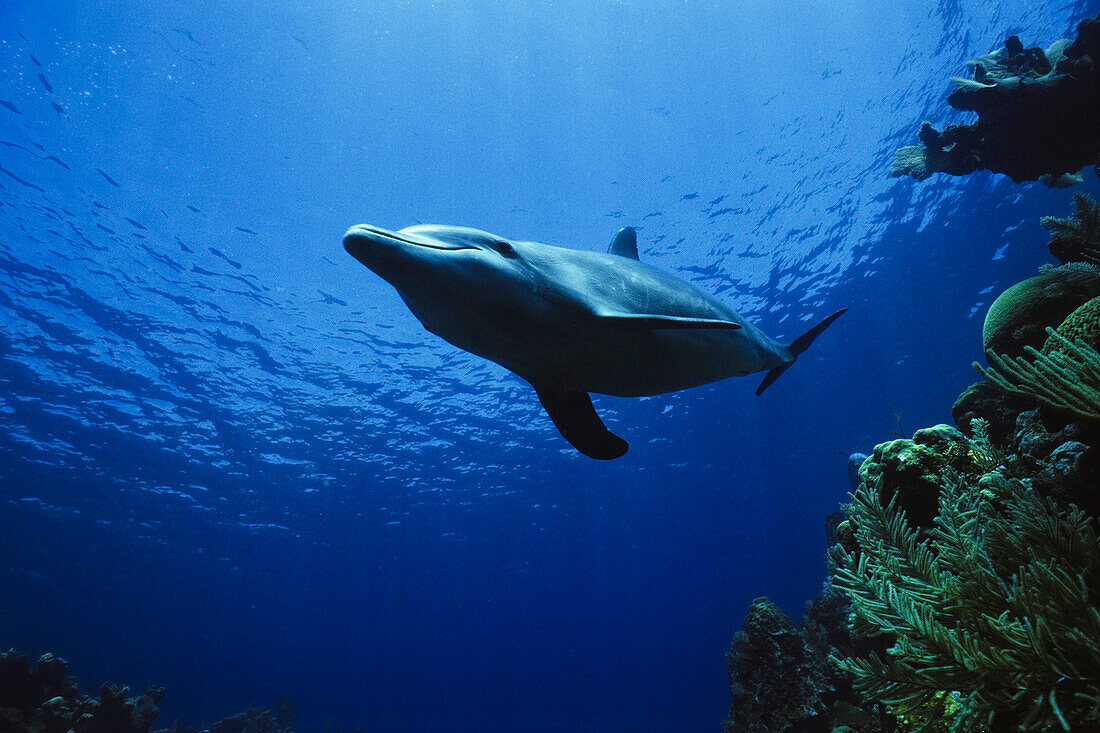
column 503, row 248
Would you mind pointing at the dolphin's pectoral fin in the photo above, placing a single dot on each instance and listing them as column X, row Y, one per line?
column 654, row 321
column 625, row 243
column 577, row 421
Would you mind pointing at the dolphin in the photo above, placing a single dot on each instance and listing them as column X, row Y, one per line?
column 571, row 322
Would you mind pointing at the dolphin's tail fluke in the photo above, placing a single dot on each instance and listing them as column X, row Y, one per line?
column 797, row 346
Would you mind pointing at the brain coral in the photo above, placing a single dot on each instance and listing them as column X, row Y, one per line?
column 1081, row 325
column 1020, row 315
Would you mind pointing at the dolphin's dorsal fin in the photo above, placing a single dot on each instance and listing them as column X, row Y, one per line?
column 577, row 421
column 625, row 243
column 656, row 321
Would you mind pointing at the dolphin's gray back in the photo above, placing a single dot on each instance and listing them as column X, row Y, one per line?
column 610, row 359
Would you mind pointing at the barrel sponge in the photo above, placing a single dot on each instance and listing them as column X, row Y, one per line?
column 1020, row 315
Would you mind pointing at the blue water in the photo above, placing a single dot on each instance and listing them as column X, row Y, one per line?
column 232, row 463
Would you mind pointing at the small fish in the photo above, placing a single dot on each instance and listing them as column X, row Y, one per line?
column 689, row 196
column 58, row 109
column 17, row 179
column 246, row 231
column 106, row 229
column 137, row 224
column 224, row 256
column 331, row 299
column 652, row 214
column 110, row 180
column 45, row 82
column 713, row 214
column 10, row 106
column 666, row 179
column 36, row 61
column 716, row 201
column 187, row 34
column 193, row 209
column 301, row 43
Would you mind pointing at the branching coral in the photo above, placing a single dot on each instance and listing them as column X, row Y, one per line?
column 1077, row 238
column 1066, row 377
column 994, row 614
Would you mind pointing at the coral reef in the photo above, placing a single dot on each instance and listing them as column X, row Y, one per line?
column 781, row 679
column 1082, row 325
column 907, row 471
column 998, row 610
column 1077, row 238
column 1021, row 314
column 1065, row 377
column 768, row 654
column 1038, row 115
column 44, row 699
column 967, row 568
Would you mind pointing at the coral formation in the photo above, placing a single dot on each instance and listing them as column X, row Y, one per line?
column 907, row 471
column 1038, row 115
column 1082, row 325
column 999, row 608
column 781, row 679
column 770, row 653
column 1021, row 314
column 1065, row 377
column 1077, row 238
column 968, row 567
column 44, row 699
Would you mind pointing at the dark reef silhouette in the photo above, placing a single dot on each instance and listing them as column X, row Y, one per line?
column 43, row 698
column 1038, row 115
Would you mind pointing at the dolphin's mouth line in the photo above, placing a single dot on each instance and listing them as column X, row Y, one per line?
column 437, row 246
column 366, row 231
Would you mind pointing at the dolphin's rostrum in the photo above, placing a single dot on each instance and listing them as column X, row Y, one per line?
column 569, row 321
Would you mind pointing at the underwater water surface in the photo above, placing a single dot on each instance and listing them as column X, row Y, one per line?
column 233, row 464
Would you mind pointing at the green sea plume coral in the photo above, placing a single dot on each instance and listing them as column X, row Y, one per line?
column 1065, row 376
column 993, row 615
column 1076, row 239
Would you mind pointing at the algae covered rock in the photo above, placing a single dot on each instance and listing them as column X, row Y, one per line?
column 1020, row 315
column 912, row 469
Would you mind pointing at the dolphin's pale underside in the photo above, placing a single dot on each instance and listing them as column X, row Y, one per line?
column 571, row 322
